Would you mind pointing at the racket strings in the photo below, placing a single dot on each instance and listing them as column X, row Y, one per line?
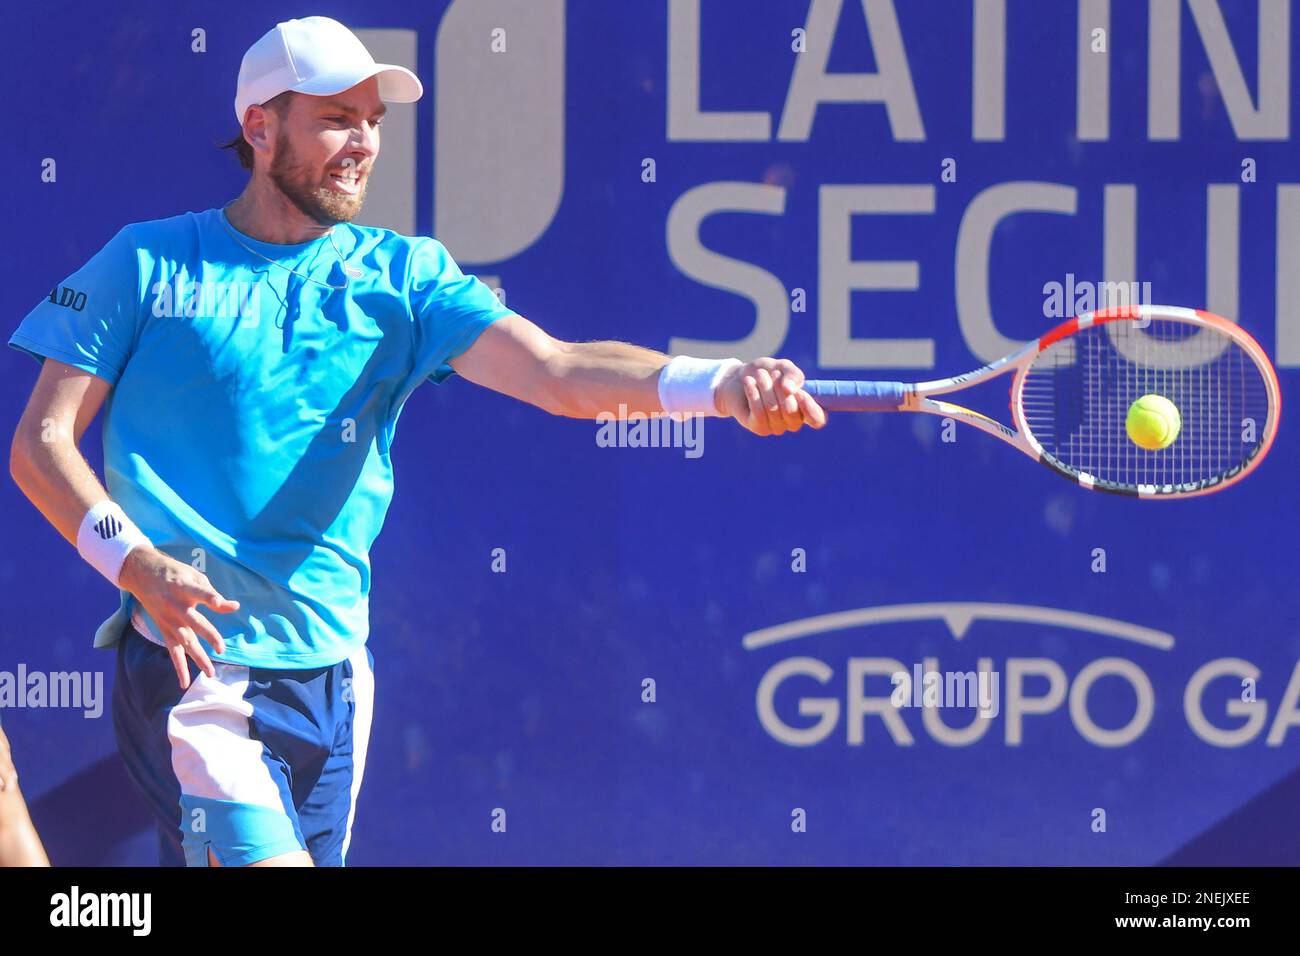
column 1077, row 394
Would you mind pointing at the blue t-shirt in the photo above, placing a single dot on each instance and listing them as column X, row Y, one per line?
column 249, row 427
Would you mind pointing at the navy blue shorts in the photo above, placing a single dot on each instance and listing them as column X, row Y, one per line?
column 251, row 764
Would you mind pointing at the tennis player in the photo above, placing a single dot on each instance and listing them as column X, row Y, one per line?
column 252, row 362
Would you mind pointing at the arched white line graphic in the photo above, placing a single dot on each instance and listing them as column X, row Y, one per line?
column 958, row 616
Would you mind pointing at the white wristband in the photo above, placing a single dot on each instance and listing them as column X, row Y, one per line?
column 687, row 385
column 106, row 537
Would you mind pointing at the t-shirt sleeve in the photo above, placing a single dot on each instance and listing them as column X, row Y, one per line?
column 450, row 310
column 89, row 320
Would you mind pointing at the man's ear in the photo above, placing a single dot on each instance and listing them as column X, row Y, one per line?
column 259, row 123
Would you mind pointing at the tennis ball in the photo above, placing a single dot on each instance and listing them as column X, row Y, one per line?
column 1153, row 422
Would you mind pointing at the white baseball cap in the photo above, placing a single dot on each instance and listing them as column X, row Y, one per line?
column 319, row 56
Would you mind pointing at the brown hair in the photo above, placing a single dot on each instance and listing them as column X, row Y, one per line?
column 241, row 146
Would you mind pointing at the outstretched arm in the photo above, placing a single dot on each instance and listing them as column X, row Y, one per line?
column 583, row 379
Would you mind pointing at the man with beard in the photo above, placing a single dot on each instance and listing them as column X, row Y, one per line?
column 258, row 358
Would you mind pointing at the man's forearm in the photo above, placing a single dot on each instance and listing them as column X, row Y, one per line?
column 515, row 357
column 587, row 378
column 56, row 478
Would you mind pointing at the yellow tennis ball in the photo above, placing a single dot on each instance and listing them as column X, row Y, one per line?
column 1153, row 422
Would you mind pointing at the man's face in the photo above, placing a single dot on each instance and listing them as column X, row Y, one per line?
column 325, row 149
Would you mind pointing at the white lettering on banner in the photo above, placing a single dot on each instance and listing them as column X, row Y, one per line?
column 1265, row 117
column 764, row 290
column 492, row 203
column 891, row 86
column 1035, row 687
column 1020, row 704
column 840, row 276
column 1271, row 118
column 810, row 83
column 975, row 248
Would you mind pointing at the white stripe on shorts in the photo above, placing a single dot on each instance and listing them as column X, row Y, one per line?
column 212, row 754
column 363, row 697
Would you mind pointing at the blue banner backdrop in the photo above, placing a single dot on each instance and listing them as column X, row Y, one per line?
column 713, row 177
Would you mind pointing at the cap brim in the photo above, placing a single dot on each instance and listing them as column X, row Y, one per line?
column 397, row 84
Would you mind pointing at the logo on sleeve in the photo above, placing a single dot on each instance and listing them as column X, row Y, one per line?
column 68, row 298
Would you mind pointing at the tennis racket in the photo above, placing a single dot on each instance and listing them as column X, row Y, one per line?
column 1072, row 389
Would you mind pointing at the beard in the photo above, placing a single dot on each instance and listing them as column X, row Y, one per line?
column 299, row 183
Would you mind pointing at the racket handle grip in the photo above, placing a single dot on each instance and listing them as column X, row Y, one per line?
column 858, row 396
